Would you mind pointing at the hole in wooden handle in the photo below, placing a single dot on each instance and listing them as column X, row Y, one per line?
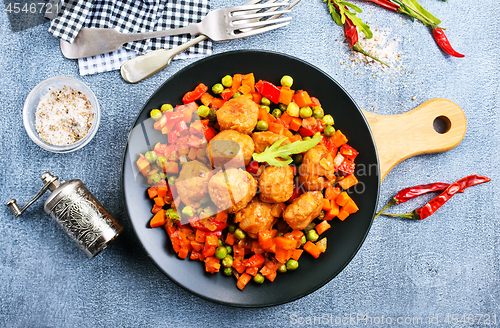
column 442, row 124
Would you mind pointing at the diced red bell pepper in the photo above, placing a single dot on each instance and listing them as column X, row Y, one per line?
column 315, row 102
column 348, row 152
column 195, row 94
column 226, row 94
column 172, row 137
column 207, row 224
column 305, row 132
column 346, row 167
column 181, row 128
column 208, row 132
column 268, row 90
column 252, row 167
column 296, row 193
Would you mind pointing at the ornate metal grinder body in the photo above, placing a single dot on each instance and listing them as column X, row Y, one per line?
column 78, row 213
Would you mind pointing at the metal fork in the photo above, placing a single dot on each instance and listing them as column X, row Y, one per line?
column 220, row 25
column 142, row 67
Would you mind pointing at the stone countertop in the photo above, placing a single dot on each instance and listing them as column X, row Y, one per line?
column 448, row 264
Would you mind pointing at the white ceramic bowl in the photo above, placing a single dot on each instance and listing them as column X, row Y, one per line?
column 39, row 92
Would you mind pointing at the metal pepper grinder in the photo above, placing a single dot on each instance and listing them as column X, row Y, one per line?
column 78, row 212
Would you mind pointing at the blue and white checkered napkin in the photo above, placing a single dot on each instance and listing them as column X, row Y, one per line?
column 130, row 16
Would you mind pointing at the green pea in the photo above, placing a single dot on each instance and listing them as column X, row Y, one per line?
column 328, row 120
column 155, row 178
column 151, row 156
column 167, row 108
column 231, row 228
column 292, row 264
column 220, row 252
column 259, row 278
column 329, row 131
column 217, row 88
column 220, row 241
column 282, row 269
column 317, row 134
column 286, row 81
column 306, row 138
column 155, row 114
column 203, row 111
column 227, row 81
column 262, row 126
column 227, row 261
column 303, row 240
column 171, row 180
column 237, row 94
column 161, row 161
column 268, row 109
column 297, row 159
column 318, row 112
column 312, row 235
column 187, row 212
column 265, row 101
column 305, row 112
column 229, row 249
column 212, row 116
column 277, row 113
column 239, row 234
column 282, row 107
column 228, row 271
column 173, row 216
column 321, row 215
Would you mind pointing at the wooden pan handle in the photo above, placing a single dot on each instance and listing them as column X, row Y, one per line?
column 398, row 137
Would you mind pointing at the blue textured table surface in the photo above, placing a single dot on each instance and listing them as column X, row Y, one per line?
column 447, row 264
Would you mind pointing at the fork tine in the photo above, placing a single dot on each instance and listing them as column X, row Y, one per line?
column 259, row 30
column 261, row 23
column 236, row 9
column 269, row 14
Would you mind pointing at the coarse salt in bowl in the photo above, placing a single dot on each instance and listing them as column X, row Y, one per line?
column 71, row 118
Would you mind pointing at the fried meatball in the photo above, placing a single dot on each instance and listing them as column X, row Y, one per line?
column 238, row 114
column 300, row 213
column 232, row 189
column 313, row 175
column 262, row 140
column 230, row 148
column 255, row 217
column 276, row 184
column 192, row 183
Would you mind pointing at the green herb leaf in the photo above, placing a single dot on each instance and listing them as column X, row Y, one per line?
column 277, row 151
column 340, row 15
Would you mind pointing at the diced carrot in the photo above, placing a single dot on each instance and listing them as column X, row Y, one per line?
column 263, row 114
column 331, row 192
column 200, row 236
column 212, row 264
column 230, row 239
column 159, row 201
column 270, row 276
column 266, row 239
column 158, row 219
column 239, row 266
column 288, row 133
column 237, row 78
column 285, row 243
column 183, row 253
column 248, row 81
column 322, row 227
column 343, row 198
column 297, row 253
column 239, row 252
column 256, row 97
column 333, row 212
column 312, row 249
column 348, row 181
column 143, row 164
column 156, row 208
column 153, row 192
column 297, row 234
column 343, row 214
column 197, row 246
column 339, row 139
column 283, row 255
column 351, row 207
column 206, row 99
column 193, row 152
column 286, row 95
column 211, row 240
column 221, row 216
column 195, row 255
column 256, row 249
column 208, row 251
column 217, row 103
column 243, row 281
column 327, row 204
column 276, row 128
column 315, row 102
column 245, row 89
column 286, row 118
column 252, row 271
column 295, row 124
column 162, row 191
column 302, row 99
column 295, row 137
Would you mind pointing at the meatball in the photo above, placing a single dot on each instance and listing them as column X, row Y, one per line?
column 238, row 114
column 192, row 183
column 313, row 174
column 276, row 184
column 232, row 190
column 257, row 216
column 262, row 140
column 300, row 213
column 230, row 148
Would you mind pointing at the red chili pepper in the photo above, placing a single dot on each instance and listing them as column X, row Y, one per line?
column 195, row 94
column 386, row 4
column 443, row 42
column 434, row 204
